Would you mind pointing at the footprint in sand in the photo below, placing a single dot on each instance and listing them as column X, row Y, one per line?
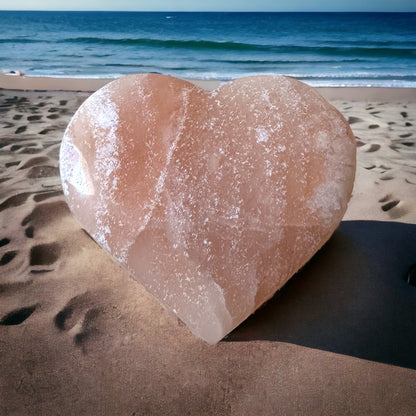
column 373, row 148
column 393, row 206
column 43, row 172
column 34, row 161
column 46, row 131
column 30, row 231
column 15, row 200
column 4, row 241
column 21, row 261
column 353, row 120
column 11, row 164
column 40, row 197
column 41, row 256
column 34, row 118
column 20, row 129
column 8, row 257
column 79, row 317
column 53, row 116
column 31, row 149
column 17, row 316
column 44, row 255
column 42, row 214
column 388, row 202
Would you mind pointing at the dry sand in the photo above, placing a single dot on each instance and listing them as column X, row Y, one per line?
column 79, row 337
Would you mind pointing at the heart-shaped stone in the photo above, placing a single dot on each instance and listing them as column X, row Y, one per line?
column 212, row 200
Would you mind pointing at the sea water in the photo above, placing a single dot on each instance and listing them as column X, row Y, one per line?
column 321, row 49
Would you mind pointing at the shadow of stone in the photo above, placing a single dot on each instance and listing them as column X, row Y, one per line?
column 352, row 298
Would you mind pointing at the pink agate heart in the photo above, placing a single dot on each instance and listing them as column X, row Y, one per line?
column 212, row 200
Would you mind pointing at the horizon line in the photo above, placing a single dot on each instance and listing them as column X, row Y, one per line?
column 211, row 11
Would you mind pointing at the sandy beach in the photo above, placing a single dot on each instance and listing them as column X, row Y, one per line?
column 79, row 337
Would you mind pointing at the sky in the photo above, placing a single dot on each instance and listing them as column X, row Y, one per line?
column 213, row 5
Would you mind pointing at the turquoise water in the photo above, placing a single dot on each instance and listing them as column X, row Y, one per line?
column 377, row 49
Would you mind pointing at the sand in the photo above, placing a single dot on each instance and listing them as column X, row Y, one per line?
column 79, row 337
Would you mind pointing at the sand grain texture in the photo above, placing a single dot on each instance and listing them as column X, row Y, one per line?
column 79, row 336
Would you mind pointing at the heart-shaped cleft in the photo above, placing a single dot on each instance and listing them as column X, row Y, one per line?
column 212, row 200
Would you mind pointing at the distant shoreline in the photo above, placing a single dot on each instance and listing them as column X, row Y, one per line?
column 13, row 82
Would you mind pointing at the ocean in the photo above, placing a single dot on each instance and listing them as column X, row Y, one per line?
column 321, row 49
